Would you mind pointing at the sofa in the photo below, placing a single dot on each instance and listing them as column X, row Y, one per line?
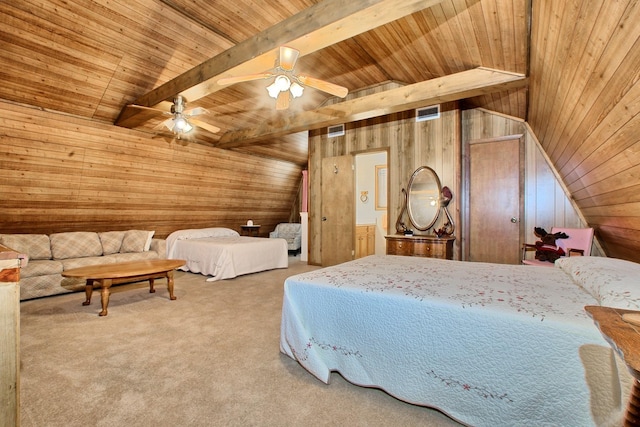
column 49, row 255
column 291, row 232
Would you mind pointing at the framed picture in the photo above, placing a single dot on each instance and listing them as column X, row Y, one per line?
column 381, row 187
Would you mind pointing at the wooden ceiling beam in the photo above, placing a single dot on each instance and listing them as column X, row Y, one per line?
column 319, row 26
column 466, row 84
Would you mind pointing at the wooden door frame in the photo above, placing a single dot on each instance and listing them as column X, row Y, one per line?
column 464, row 187
column 371, row 151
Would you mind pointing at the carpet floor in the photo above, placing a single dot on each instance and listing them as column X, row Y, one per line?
column 209, row 358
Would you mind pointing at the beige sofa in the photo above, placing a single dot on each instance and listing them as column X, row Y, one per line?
column 50, row 255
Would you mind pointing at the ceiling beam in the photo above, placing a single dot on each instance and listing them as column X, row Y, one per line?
column 321, row 25
column 466, row 84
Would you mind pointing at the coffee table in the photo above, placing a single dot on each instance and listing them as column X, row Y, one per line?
column 122, row 272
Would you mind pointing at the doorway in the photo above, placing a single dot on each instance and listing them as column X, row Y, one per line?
column 495, row 199
column 371, row 208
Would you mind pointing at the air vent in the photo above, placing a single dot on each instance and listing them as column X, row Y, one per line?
column 337, row 130
column 427, row 113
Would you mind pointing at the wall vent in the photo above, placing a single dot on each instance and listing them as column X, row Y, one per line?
column 427, row 113
column 337, row 130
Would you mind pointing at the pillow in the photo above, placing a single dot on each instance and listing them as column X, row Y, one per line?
column 614, row 282
column 36, row 246
column 199, row 233
column 75, row 244
column 111, row 241
column 136, row 241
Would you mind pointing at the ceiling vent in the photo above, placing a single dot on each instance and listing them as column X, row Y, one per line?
column 427, row 113
column 337, row 130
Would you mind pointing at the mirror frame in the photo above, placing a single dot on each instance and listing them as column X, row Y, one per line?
column 411, row 195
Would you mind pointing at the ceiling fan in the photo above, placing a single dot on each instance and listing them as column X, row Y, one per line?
column 286, row 83
column 182, row 121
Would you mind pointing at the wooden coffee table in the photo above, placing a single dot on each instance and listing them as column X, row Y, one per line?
column 122, row 272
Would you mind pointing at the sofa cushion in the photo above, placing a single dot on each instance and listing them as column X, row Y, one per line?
column 133, row 256
column 36, row 246
column 83, row 262
column 111, row 241
column 136, row 241
column 41, row 267
column 75, row 244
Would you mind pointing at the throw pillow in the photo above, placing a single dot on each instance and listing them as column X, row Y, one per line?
column 135, row 241
column 111, row 241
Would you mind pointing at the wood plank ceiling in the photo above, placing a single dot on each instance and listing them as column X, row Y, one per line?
column 93, row 58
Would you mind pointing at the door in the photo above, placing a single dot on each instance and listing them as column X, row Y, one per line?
column 495, row 200
column 337, row 229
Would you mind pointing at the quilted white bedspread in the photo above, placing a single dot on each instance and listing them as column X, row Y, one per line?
column 226, row 255
column 487, row 344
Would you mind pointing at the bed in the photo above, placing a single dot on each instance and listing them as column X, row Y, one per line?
column 223, row 254
column 487, row 344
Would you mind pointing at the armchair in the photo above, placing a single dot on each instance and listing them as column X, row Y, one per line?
column 291, row 232
column 578, row 243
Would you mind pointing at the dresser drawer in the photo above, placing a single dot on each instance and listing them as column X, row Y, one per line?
column 424, row 246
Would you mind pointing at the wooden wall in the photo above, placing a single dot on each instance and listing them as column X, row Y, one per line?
column 411, row 145
column 546, row 200
column 63, row 173
column 440, row 144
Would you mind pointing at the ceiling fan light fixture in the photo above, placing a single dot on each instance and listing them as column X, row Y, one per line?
column 296, row 90
column 180, row 125
column 273, row 90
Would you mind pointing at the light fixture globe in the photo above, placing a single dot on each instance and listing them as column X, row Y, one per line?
column 282, row 82
column 296, row 90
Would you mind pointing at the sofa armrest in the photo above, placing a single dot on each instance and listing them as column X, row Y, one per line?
column 159, row 246
column 273, row 234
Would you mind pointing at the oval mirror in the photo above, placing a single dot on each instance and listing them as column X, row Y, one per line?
column 423, row 198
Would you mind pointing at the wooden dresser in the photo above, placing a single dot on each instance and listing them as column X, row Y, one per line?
column 427, row 246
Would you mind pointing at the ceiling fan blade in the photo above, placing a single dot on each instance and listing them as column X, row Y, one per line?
column 288, row 57
column 324, row 86
column 196, row 111
column 282, row 103
column 205, row 126
column 165, row 123
column 239, row 79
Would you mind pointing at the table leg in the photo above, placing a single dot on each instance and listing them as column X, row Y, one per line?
column 88, row 291
column 151, row 288
column 106, row 284
column 170, row 285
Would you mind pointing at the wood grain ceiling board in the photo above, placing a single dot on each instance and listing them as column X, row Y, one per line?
column 91, row 58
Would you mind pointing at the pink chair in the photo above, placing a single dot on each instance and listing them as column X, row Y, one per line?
column 578, row 244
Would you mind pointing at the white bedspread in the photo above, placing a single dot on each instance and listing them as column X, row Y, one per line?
column 490, row 345
column 224, row 256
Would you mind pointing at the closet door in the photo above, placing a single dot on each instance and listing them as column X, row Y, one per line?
column 338, row 212
column 496, row 195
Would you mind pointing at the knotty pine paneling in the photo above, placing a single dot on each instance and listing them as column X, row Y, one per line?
column 61, row 173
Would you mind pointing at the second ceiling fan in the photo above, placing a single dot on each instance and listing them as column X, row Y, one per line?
column 286, row 83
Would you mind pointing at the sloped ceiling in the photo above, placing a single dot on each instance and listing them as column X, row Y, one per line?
column 93, row 58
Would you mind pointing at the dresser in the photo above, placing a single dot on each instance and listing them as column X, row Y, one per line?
column 426, row 246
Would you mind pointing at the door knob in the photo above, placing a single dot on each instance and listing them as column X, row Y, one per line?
column 324, row 218
column 514, row 219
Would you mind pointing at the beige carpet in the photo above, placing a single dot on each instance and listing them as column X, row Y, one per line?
column 209, row 358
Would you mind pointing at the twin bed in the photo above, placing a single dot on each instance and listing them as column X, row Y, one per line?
column 223, row 254
column 487, row 344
